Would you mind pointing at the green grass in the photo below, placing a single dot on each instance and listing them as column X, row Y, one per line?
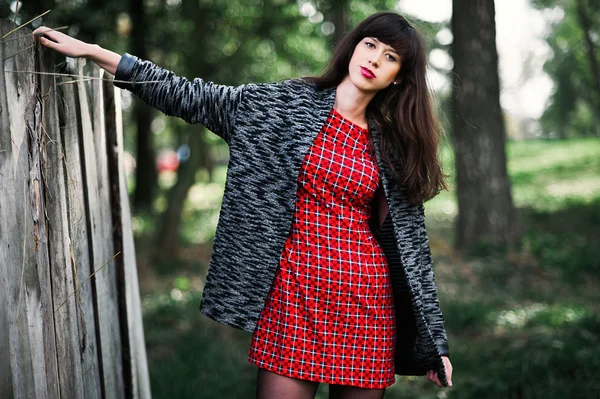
column 524, row 323
column 191, row 356
column 548, row 176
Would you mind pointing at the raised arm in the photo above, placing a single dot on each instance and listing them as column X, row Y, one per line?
column 198, row 101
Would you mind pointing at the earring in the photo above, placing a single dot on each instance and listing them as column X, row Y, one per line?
column 396, row 82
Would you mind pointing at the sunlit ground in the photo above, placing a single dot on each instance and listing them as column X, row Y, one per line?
column 524, row 323
column 545, row 175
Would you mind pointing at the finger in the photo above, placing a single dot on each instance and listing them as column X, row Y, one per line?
column 449, row 375
column 49, row 43
column 54, row 35
column 41, row 30
column 431, row 375
column 437, row 380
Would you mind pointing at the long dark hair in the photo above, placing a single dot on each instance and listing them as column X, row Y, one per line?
column 404, row 112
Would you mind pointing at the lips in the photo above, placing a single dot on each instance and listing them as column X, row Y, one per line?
column 367, row 73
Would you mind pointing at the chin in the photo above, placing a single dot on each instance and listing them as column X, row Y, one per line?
column 363, row 84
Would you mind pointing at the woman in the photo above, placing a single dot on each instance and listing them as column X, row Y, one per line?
column 320, row 250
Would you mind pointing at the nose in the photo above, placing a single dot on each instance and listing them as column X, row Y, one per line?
column 375, row 59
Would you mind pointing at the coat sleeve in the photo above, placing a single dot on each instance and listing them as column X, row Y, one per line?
column 431, row 302
column 198, row 101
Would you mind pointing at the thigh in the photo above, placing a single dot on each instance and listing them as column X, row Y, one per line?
column 350, row 392
column 270, row 385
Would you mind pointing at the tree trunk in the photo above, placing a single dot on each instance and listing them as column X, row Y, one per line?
column 167, row 240
column 145, row 172
column 592, row 56
column 339, row 14
column 486, row 213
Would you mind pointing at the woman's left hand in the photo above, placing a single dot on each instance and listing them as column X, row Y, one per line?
column 432, row 374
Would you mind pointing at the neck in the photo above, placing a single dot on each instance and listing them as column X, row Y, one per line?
column 351, row 102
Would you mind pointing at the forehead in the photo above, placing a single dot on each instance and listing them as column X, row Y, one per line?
column 379, row 41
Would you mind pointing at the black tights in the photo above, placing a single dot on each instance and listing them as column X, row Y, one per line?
column 271, row 385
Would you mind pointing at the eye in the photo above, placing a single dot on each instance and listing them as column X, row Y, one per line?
column 390, row 57
column 369, row 44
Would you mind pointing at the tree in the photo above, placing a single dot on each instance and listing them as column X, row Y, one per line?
column 574, row 106
column 592, row 53
column 145, row 171
column 486, row 213
column 339, row 13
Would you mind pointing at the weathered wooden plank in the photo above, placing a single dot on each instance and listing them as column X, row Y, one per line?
column 79, row 243
column 59, row 240
column 6, row 390
column 24, row 239
column 112, row 295
column 7, row 197
column 99, row 228
column 131, row 315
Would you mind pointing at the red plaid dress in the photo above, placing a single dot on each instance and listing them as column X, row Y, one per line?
column 329, row 315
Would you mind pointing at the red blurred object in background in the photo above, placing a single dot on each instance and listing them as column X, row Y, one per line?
column 167, row 161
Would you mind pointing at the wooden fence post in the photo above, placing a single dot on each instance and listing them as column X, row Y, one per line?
column 64, row 215
column 24, row 259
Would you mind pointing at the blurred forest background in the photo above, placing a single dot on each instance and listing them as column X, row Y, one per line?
column 516, row 241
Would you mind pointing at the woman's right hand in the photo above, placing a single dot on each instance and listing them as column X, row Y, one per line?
column 62, row 43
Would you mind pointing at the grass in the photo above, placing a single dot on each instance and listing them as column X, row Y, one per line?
column 190, row 355
column 521, row 324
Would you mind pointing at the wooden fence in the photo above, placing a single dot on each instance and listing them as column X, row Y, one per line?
column 70, row 314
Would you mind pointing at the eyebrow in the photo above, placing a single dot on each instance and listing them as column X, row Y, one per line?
column 389, row 47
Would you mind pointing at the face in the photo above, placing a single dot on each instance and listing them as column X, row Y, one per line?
column 374, row 65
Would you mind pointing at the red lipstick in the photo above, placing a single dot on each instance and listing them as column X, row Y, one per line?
column 367, row 73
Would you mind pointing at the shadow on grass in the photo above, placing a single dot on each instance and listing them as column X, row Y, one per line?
column 527, row 352
column 191, row 356
column 568, row 239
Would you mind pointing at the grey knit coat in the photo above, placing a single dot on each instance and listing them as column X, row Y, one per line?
column 269, row 128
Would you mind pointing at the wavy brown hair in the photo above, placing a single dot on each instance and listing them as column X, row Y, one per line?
column 410, row 130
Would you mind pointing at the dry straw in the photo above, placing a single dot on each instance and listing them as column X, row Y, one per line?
column 31, row 35
column 83, row 77
column 25, row 24
column 86, row 280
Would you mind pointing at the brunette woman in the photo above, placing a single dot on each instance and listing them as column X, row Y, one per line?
column 320, row 250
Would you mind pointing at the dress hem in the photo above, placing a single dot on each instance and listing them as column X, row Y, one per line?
column 325, row 380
